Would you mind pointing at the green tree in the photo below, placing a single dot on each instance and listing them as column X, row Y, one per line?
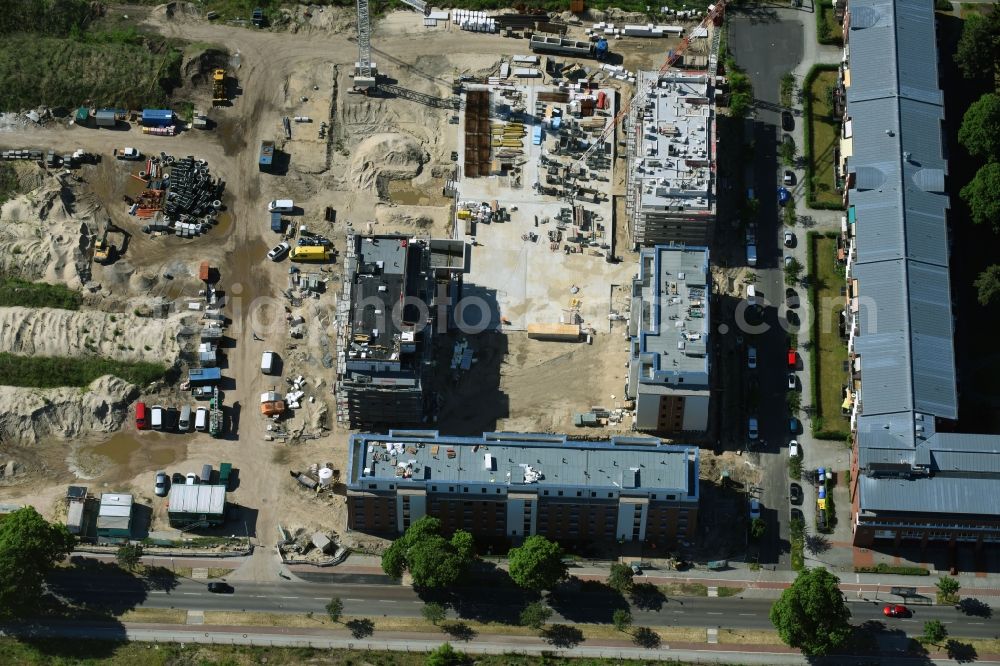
column 433, row 612
column 335, row 609
column 537, row 564
column 792, row 271
column 980, row 195
column 934, row 632
column 620, row 577
column 29, row 549
column 445, row 655
column 535, row 615
column 757, row 528
column 129, row 555
column 979, row 46
column 980, row 130
column 432, row 560
column 948, row 588
column 988, row 285
column 622, row 619
column 811, row 614
column 787, row 151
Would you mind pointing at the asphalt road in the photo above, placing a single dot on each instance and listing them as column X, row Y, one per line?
column 400, row 601
column 767, row 48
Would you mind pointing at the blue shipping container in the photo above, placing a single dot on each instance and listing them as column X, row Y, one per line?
column 204, row 375
column 157, row 117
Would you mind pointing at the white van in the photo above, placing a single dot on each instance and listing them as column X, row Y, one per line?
column 201, row 419
column 751, row 295
column 267, row 362
column 184, row 422
column 156, row 417
column 281, row 206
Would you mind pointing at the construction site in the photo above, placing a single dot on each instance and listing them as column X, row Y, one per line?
column 498, row 172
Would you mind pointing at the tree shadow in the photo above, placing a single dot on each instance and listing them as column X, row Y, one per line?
column 586, row 601
column 460, row 631
column 646, row 637
column 562, row 635
column 963, row 653
column 817, row 543
column 975, row 607
column 646, row 596
column 360, row 627
column 74, row 588
column 159, row 578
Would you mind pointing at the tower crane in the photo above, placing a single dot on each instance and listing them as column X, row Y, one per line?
column 638, row 100
column 365, row 73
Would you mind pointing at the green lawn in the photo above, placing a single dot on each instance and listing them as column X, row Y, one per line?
column 17, row 292
column 825, row 135
column 51, row 372
column 829, row 351
column 828, row 29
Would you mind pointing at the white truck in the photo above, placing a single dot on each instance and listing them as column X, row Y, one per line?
column 127, row 154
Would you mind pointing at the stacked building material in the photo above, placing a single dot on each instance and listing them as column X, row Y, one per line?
column 192, row 192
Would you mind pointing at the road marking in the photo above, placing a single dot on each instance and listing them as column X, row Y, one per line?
column 388, row 601
column 260, row 596
column 975, row 623
column 193, row 594
column 748, row 614
column 353, row 600
column 713, row 613
column 288, row 597
column 157, row 591
column 319, row 598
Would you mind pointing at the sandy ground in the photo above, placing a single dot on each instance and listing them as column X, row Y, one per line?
column 517, row 383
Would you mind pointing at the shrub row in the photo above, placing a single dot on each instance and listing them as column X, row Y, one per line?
column 882, row 568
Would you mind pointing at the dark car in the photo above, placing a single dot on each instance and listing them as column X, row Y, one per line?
column 795, row 494
column 798, row 515
column 177, row 478
column 787, row 121
column 220, row 588
column 791, row 298
column 792, row 318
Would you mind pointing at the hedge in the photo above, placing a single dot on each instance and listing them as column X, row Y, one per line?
column 883, row 568
column 807, row 149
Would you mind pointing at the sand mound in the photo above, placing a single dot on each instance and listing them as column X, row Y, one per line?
column 30, row 415
column 393, row 156
column 125, row 337
column 46, row 234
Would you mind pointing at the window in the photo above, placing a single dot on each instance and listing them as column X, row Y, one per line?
column 392, row 487
column 593, row 493
column 451, row 489
column 372, row 486
column 465, row 490
column 545, row 492
column 498, row 491
column 671, row 497
column 611, row 495
column 434, row 489
column 579, row 493
column 560, row 493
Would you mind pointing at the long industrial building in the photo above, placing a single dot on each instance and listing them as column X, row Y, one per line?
column 670, row 189
column 913, row 478
column 503, row 487
column 394, row 288
column 669, row 329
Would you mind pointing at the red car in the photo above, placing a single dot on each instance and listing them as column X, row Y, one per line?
column 792, row 361
column 896, row 611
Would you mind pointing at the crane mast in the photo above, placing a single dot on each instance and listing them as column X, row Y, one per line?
column 365, row 74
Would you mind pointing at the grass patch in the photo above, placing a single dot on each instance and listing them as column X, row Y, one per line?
column 154, row 616
column 684, row 590
column 15, row 292
column 883, row 568
column 797, row 537
column 749, row 637
column 822, row 137
column 10, row 186
column 730, row 591
column 828, row 29
column 51, row 372
column 829, row 352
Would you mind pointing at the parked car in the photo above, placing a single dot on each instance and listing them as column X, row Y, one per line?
column 794, row 426
column 752, row 432
column 279, row 251
column 636, row 570
column 157, row 414
column 788, row 260
column 160, row 489
column 792, row 360
column 791, row 298
column 784, row 196
column 796, row 514
column 191, row 479
column 787, row 121
column 791, row 381
column 751, row 295
column 789, row 239
column 752, row 357
column 754, row 509
column 896, row 610
column 788, row 178
column 127, row 154
column 793, row 449
column 795, row 495
column 220, row 588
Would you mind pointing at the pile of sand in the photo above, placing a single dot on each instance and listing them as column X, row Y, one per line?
column 123, row 336
column 391, row 155
column 44, row 235
column 31, row 415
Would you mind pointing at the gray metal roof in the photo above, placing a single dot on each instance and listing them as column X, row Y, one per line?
column 937, row 494
column 511, row 460
column 209, row 500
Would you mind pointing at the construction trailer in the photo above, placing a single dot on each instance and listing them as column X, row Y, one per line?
column 114, row 518
column 266, row 158
column 555, row 332
column 106, row 118
column 190, row 507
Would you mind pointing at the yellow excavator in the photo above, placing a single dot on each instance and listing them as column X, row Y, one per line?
column 219, row 88
column 104, row 251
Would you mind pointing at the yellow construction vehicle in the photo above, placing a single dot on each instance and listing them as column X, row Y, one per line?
column 104, row 251
column 219, row 88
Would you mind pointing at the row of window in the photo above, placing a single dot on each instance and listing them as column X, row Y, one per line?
column 579, row 493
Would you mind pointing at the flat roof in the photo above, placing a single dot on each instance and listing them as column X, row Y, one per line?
column 670, row 313
column 378, row 286
column 635, row 465
column 672, row 165
column 201, row 498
